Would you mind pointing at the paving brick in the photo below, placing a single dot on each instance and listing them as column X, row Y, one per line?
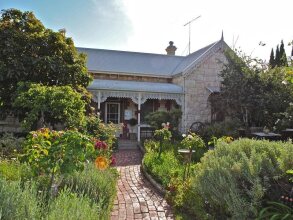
column 136, row 198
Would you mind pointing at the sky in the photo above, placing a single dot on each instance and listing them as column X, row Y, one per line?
column 149, row 25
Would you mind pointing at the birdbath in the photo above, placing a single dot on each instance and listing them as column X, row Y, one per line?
column 186, row 153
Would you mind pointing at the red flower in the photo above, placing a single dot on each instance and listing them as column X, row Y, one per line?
column 100, row 145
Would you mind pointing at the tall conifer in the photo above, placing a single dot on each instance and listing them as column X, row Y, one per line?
column 272, row 59
column 278, row 58
column 283, row 56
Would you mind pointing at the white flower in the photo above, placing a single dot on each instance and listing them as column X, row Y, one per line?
column 184, row 135
column 163, row 124
column 189, row 136
column 168, row 123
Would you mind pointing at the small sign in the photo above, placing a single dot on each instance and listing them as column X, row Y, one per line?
column 127, row 114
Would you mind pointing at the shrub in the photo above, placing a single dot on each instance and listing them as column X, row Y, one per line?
column 104, row 132
column 235, row 178
column 13, row 170
column 18, row 202
column 98, row 186
column 10, row 145
column 156, row 119
column 219, row 129
column 69, row 205
column 163, row 168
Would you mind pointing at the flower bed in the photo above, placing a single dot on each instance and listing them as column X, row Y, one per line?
column 235, row 180
column 63, row 174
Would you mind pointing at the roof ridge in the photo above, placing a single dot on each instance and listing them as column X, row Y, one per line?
column 202, row 55
column 133, row 52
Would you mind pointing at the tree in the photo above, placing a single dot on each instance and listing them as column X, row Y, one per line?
column 31, row 52
column 272, row 59
column 254, row 95
column 49, row 105
column 283, row 56
column 278, row 57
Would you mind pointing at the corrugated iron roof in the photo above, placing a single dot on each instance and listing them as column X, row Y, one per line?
column 100, row 60
column 121, row 85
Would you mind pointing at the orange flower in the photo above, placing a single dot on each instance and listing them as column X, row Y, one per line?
column 101, row 163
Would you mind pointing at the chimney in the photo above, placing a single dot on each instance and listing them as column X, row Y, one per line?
column 171, row 49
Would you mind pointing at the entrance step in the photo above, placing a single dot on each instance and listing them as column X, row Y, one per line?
column 127, row 144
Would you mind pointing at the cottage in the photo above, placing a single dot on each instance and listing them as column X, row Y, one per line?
column 129, row 85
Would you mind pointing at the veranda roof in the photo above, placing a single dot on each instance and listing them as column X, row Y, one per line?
column 120, row 85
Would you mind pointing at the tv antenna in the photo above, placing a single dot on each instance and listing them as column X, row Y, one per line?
column 189, row 23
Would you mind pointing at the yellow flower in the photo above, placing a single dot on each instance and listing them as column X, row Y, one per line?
column 101, row 163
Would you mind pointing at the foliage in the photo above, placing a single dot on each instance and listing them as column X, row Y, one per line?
column 101, row 131
column 253, row 94
column 31, row 52
column 272, row 59
column 98, row 186
column 163, row 135
column 69, row 205
column 18, row 202
column 52, row 153
column 156, row 119
column 219, row 129
column 235, row 178
column 163, row 168
column 192, row 141
column 276, row 211
column 50, row 105
column 10, row 145
column 13, row 170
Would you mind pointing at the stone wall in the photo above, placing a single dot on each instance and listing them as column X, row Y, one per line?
column 114, row 76
column 206, row 74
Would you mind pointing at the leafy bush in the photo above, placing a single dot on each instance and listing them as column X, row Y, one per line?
column 156, row 119
column 219, row 129
column 101, row 131
column 50, row 104
column 234, row 179
column 51, row 152
column 69, row 205
column 163, row 168
column 18, row 202
column 10, row 145
column 98, row 186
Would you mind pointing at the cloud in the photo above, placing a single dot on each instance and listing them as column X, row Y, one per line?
column 106, row 24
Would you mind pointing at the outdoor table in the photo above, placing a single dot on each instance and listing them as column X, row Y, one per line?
column 268, row 136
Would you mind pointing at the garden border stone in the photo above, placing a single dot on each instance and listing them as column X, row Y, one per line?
column 160, row 189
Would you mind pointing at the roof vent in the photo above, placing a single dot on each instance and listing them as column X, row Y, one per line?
column 171, row 48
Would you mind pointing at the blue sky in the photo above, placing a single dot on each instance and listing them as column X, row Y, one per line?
column 148, row 25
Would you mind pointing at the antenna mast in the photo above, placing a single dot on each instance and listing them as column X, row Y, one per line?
column 189, row 23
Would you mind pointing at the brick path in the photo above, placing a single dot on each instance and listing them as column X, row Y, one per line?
column 136, row 198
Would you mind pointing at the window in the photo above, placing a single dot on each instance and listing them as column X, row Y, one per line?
column 112, row 112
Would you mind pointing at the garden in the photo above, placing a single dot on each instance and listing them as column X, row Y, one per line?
column 60, row 165
column 216, row 171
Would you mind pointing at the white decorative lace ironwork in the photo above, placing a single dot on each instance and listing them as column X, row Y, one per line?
column 136, row 97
